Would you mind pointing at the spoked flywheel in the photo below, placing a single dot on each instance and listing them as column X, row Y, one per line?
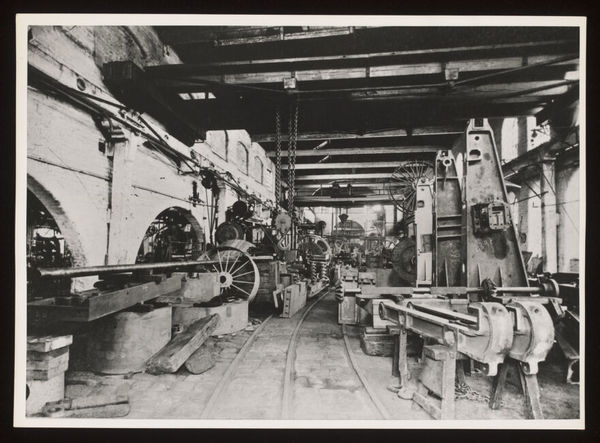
column 238, row 274
column 402, row 185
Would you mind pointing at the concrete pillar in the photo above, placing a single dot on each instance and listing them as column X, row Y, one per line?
column 120, row 207
column 549, row 216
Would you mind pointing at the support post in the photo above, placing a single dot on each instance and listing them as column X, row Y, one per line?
column 529, row 387
column 549, row 216
column 123, row 157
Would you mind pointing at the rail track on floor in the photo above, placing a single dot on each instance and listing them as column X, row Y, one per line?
column 288, row 382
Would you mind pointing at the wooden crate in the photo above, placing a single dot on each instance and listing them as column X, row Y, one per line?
column 376, row 342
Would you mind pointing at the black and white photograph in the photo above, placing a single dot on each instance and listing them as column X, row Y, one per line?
column 300, row 221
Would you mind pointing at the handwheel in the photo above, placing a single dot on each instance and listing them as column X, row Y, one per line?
column 238, row 274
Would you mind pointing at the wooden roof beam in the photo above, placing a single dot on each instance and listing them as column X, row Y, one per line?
column 343, row 177
column 333, row 201
column 357, row 58
column 364, row 72
column 420, row 131
column 362, row 151
column 349, row 165
column 283, row 36
column 359, row 183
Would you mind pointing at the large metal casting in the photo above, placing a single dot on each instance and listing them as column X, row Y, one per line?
column 533, row 334
column 484, row 334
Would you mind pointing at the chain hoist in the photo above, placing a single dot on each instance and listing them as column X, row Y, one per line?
column 277, row 156
column 292, row 140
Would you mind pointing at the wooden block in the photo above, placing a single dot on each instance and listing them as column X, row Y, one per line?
column 202, row 359
column 436, row 352
column 47, row 374
column 45, row 356
column 170, row 358
column 48, row 343
column 39, row 362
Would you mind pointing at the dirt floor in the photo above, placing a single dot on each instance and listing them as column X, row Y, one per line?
column 324, row 384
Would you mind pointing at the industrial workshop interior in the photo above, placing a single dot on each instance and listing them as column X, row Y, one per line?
column 331, row 222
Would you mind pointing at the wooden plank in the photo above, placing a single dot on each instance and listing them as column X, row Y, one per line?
column 116, row 301
column 170, row 358
column 48, row 343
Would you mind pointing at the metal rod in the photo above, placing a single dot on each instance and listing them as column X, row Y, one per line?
column 523, row 289
column 115, row 269
column 111, row 269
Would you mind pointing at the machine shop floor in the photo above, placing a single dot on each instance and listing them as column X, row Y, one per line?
column 324, row 384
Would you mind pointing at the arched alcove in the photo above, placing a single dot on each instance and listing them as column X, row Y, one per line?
column 46, row 247
column 174, row 235
column 36, row 192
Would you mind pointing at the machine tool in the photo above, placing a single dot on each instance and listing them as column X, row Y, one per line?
column 467, row 290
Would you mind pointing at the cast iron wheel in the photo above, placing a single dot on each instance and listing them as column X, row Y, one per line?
column 238, row 274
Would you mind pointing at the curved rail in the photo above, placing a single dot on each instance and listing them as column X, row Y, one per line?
column 289, row 362
column 363, row 379
column 225, row 379
column 287, row 394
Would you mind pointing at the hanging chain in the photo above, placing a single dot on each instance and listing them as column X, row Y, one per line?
column 293, row 135
column 277, row 157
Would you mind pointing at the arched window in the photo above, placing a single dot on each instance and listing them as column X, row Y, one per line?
column 258, row 169
column 242, row 157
